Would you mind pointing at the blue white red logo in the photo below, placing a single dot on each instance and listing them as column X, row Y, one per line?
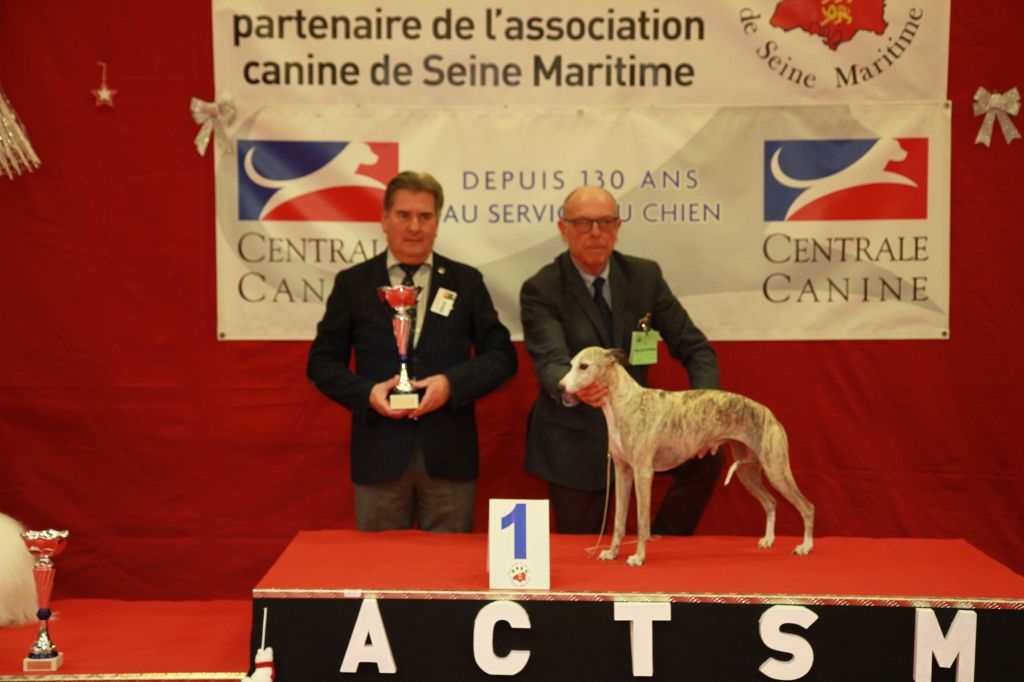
column 869, row 179
column 322, row 181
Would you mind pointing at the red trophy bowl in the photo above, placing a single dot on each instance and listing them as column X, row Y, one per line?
column 399, row 297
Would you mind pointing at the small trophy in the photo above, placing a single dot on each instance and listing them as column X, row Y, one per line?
column 403, row 299
column 44, row 545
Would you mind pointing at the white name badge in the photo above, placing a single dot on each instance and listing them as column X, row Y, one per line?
column 444, row 302
column 519, row 545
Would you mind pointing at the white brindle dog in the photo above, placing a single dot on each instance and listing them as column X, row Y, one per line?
column 652, row 430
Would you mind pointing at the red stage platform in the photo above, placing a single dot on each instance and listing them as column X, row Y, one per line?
column 431, row 566
column 867, row 608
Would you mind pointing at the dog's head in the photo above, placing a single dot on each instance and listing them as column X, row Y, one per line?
column 591, row 365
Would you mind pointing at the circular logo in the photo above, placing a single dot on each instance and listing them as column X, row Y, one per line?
column 519, row 573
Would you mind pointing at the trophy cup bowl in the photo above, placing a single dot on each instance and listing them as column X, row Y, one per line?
column 44, row 545
column 402, row 299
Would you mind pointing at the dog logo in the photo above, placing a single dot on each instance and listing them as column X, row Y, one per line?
column 871, row 179
column 836, row 21
column 324, row 181
column 519, row 573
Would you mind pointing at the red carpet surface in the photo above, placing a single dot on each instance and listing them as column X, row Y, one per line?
column 413, row 561
column 144, row 640
column 209, row 640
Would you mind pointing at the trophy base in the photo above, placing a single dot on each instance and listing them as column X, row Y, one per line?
column 42, row 665
column 404, row 401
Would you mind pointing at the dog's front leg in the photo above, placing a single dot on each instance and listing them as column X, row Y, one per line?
column 623, row 488
column 642, row 478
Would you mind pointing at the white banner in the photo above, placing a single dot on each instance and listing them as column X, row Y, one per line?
column 666, row 52
column 770, row 221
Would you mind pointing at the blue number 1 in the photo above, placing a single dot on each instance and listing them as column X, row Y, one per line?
column 517, row 517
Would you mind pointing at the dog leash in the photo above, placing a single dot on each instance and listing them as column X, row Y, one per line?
column 604, row 517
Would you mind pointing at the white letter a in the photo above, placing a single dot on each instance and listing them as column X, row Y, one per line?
column 369, row 641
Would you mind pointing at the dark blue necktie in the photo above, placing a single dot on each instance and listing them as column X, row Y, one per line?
column 409, row 271
column 603, row 308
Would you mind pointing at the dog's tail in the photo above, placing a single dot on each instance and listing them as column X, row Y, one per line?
column 732, row 469
column 736, row 463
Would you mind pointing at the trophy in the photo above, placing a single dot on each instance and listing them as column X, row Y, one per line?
column 44, row 545
column 403, row 299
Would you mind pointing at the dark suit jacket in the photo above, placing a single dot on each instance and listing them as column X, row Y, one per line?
column 569, row 445
column 470, row 346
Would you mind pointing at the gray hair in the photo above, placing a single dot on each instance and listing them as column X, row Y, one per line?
column 414, row 181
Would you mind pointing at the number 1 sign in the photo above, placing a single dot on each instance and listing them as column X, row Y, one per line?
column 518, row 545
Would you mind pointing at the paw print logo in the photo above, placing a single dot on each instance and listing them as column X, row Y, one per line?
column 519, row 573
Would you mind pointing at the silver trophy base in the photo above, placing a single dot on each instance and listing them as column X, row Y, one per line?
column 42, row 665
column 404, row 401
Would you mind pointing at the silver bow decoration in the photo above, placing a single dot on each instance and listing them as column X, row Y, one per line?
column 996, row 107
column 16, row 153
column 213, row 118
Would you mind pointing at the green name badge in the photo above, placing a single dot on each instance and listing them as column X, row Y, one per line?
column 643, row 349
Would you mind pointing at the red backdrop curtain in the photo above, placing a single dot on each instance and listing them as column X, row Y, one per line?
column 183, row 465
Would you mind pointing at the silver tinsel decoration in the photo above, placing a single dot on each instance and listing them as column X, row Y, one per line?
column 16, row 153
column 213, row 119
column 994, row 107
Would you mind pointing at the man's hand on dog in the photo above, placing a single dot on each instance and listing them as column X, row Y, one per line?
column 438, row 391
column 593, row 395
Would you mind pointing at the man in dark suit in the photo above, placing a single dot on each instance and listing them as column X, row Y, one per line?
column 422, row 463
column 592, row 295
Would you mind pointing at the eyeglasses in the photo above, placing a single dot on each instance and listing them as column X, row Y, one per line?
column 407, row 217
column 583, row 224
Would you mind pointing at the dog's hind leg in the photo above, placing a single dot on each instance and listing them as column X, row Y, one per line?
column 642, row 481
column 749, row 472
column 623, row 489
column 775, row 461
column 781, row 477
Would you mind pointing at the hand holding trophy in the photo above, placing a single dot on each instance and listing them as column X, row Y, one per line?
column 402, row 299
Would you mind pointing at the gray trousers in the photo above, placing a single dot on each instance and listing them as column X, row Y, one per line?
column 436, row 504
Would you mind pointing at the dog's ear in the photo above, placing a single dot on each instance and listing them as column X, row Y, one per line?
column 617, row 355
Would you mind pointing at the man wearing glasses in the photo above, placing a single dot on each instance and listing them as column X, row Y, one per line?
column 412, row 465
column 592, row 295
